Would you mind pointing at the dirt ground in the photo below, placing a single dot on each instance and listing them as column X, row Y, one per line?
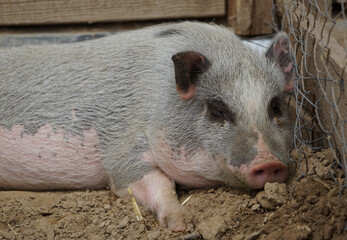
column 308, row 208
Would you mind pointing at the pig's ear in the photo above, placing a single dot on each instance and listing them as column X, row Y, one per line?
column 280, row 53
column 188, row 67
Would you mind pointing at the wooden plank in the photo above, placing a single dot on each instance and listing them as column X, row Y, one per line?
column 262, row 17
column 239, row 15
column 34, row 12
column 250, row 17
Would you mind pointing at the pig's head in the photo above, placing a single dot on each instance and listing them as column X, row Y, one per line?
column 230, row 123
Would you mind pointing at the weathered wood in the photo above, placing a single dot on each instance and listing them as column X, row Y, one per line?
column 38, row 12
column 250, row 17
column 324, row 7
column 322, row 74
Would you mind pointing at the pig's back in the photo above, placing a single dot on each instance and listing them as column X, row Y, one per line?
column 58, row 103
column 61, row 106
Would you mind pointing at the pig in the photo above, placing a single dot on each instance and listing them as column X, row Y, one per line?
column 178, row 103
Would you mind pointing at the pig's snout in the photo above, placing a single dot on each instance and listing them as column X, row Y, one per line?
column 269, row 171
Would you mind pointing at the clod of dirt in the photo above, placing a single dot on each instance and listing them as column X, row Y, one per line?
column 292, row 232
column 322, row 170
column 298, row 232
column 264, row 201
column 5, row 235
column 252, row 236
column 123, row 223
column 46, row 227
column 154, row 235
column 328, row 231
column 255, row 207
column 341, row 224
column 274, row 194
column 213, row 228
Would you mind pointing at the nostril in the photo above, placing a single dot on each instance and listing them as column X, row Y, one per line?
column 271, row 171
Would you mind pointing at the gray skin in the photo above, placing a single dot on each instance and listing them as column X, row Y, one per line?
column 188, row 84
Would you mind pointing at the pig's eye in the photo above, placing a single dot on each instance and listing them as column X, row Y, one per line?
column 219, row 112
column 275, row 108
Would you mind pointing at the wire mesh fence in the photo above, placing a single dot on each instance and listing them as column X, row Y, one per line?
column 318, row 35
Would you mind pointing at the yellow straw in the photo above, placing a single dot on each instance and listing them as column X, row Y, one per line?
column 136, row 207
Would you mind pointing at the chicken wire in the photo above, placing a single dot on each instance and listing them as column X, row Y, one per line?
column 318, row 35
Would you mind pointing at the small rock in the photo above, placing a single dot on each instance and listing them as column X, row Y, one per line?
column 107, row 207
column 263, row 200
column 121, row 201
column 97, row 211
column 211, row 190
column 255, row 207
column 266, row 219
column 154, row 235
column 329, row 157
column 102, row 225
column 115, row 232
column 95, row 221
column 110, row 229
column 271, row 216
column 251, row 203
column 80, row 204
column 239, row 236
column 141, row 228
column 254, row 235
column 44, row 211
column 77, row 235
column 322, row 171
column 87, row 209
column 107, row 223
column 123, row 223
column 244, row 204
column 91, row 204
column 212, row 228
column 67, row 204
column 303, row 231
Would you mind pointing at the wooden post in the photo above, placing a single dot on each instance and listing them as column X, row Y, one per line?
column 250, row 17
column 322, row 74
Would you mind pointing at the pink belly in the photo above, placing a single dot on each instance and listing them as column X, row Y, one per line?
column 50, row 160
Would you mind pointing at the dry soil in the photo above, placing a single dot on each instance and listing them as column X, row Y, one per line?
column 312, row 207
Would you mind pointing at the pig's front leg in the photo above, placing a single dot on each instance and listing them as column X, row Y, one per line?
column 157, row 192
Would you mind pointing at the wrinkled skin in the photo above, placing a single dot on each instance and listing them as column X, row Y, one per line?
column 183, row 103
